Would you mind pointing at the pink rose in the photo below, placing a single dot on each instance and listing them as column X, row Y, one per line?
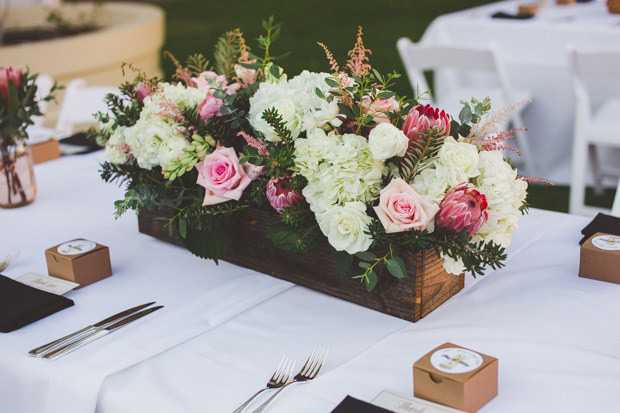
column 463, row 208
column 401, row 208
column 210, row 107
column 280, row 194
column 223, row 177
column 6, row 74
column 246, row 75
column 379, row 108
column 142, row 91
column 421, row 118
column 210, row 80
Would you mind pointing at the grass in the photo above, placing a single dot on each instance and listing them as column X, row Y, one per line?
column 195, row 25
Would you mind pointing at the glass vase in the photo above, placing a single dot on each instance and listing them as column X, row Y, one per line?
column 17, row 184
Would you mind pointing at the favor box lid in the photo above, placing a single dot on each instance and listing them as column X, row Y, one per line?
column 79, row 260
column 45, row 151
column 456, row 377
column 600, row 258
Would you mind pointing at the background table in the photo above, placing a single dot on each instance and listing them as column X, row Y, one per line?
column 224, row 328
column 534, row 51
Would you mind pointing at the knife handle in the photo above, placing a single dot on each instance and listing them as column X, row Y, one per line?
column 49, row 346
column 53, row 355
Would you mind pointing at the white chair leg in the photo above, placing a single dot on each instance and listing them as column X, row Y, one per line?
column 578, row 178
column 615, row 209
column 596, row 169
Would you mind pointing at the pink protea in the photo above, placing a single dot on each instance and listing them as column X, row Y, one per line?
column 421, row 118
column 6, row 74
column 463, row 208
column 279, row 193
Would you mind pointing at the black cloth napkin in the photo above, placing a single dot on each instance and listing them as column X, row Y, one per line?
column 21, row 304
column 503, row 15
column 79, row 143
column 601, row 223
column 353, row 405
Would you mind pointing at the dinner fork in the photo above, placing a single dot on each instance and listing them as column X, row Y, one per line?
column 307, row 373
column 8, row 260
column 280, row 377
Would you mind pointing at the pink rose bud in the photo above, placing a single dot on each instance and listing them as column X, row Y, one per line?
column 401, row 208
column 223, row 177
column 280, row 194
column 210, row 107
column 380, row 108
column 142, row 91
column 421, row 118
column 462, row 208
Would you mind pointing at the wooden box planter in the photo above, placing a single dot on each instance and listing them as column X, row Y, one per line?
column 427, row 286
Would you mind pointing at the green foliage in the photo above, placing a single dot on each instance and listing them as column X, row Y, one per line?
column 342, row 261
column 197, row 63
column 475, row 255
column 228, row 49
column 368, row 261
column 294, row 238
column 196, row 152
column 421, row 152
column 469, row 115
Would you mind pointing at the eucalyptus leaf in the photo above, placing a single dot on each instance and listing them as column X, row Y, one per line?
column 465, row 114
column 371, row 281
column 396, row 267
column 342, row 260
column 366, row 256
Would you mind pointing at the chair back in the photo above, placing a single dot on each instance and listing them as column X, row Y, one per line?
column 44, row 85
column 80, row 104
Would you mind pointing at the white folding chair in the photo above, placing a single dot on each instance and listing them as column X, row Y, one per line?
column 594, row 124
column 615, row 209
column 80, row 104
column 418, row 58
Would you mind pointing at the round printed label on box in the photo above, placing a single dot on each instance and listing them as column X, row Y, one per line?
column 455, row 360
column 607, row 242
column 75, row 247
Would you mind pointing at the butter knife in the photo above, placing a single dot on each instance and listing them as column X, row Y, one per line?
column 56, row 343
column 53, row 355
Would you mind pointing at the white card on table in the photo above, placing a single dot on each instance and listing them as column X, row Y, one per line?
column 46, row 283
column 400, row 403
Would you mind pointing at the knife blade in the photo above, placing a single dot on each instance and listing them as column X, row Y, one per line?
column 53, row 355
column 54, row 344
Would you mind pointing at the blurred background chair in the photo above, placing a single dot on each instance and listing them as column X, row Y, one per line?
column 80, row 104
column 44, row 85
column 596, row 123
column 418, row 58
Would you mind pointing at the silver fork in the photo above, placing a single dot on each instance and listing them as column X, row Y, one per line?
column 280, row 377
column 8, row 260
column 307, row 373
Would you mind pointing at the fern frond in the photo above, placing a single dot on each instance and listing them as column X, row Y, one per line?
column 197, row 64
column 228, row 49
column 421, row 153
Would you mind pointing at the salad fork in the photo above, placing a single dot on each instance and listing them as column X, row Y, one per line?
column 307, row 373
column 280, row 377
column 8, row 260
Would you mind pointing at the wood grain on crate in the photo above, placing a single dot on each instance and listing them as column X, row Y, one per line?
column 424, row 289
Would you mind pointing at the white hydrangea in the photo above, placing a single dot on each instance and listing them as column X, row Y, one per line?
column 338, row 168
column 433, row 182
column 298, row 104
column 505, row 194
column 116, row 148
column 179, row 95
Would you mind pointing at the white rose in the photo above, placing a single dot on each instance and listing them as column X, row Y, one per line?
column 460, row 156
column 115, row 148
column 345, row 227
column 386, row 140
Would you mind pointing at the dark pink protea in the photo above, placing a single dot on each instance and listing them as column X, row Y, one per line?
column 463, row 208
column 280, row 194
column 421, row 118
column 6, row 74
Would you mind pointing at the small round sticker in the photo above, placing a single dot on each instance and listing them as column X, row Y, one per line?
column 607, row 242
column 455, row 360
column 75, row 247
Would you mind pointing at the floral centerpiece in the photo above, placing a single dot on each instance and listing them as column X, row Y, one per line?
column 337, row 157
column 19, row 103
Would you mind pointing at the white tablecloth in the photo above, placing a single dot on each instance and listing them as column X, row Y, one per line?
column 224, row 328
column 535, row 54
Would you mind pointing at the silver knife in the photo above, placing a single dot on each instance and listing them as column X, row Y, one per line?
column 53, row 355
column 50, row 346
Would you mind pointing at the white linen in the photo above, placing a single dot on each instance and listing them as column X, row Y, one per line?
column 224, row 328
column 535, row 54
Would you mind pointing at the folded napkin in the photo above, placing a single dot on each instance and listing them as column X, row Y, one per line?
column 353, row 405
column 503, row 15
column 21, row 304
column 601, row 223
column 78, row 143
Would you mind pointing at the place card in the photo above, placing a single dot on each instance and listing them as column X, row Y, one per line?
column 46, row 283
column 399, row 403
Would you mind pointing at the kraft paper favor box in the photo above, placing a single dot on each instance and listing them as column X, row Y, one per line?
column 456, row 377
column 81, row 261
column 45, row 151
column 600, row 258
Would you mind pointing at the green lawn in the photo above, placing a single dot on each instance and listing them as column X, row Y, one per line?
column 194, row 26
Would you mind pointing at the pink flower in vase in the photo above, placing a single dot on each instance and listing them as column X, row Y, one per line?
column 463, row 208
column 223, row 177
column 279, row 193
column 421, row 118
column 6, row 74
column 142, row 91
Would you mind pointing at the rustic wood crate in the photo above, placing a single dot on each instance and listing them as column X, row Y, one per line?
column 613, row 6
column 426, row 287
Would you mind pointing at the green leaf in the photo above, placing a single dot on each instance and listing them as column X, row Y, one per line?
column 366, row 256
column 319, row 93
column 342, row 260
column 252, row 65
column 209, row 242
column 363, row 264
column 385, row 95
column 371, row 281
column 346, row 110
column 275, row 71
column 331, row 82
column 396, row 266
column 183, row 228
column 465, row 114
